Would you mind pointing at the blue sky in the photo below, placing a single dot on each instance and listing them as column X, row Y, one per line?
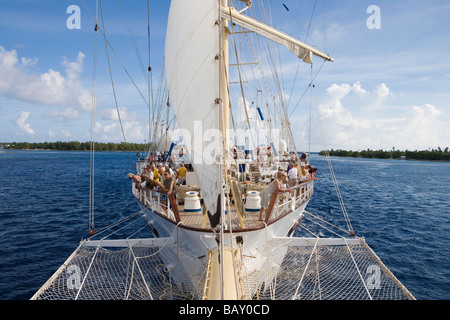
column 388, row 87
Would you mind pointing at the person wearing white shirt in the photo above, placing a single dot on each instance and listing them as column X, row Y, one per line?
column 292, row 176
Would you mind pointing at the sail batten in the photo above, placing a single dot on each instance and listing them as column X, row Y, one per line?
column 299, row 48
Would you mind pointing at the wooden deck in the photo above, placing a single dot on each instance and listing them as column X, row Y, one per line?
column 200, row 220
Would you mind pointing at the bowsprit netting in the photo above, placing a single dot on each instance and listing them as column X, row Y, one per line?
column 292, row 268
column 331, row 269
column 148, row 270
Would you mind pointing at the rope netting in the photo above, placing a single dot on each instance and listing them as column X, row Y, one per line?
column 331, row 269
column 306, row 269
column 97, row 273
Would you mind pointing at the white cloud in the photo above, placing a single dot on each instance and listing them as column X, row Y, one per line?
column 419, row 127
column 357, row 88
column 382, row 91
column 334, row 105
column 8, row 59
column 21, row 122
column 31, row 62
column 423, row 129
column 20, row 81
column 110, row 129
column 65, row 133
column 134, row 131
column 63, row 115
column 125, row 115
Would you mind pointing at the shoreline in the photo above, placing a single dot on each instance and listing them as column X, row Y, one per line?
column 435, row 155
column 59, row 150
column 398, row 159
column 74, row 146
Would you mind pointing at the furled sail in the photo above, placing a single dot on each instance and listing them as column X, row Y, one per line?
column 299, row 48
column 192, row 71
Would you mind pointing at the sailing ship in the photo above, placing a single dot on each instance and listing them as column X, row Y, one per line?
column 212, row 241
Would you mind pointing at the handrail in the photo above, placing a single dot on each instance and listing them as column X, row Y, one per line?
column 171, row 197
column 276, row 194
column 300, row 197
column 174, row 206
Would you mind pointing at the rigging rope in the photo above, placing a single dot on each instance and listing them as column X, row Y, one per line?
column 279, row 105
column 308, row 87
column 92, row 145
column 240, row 77
column 135, row 259
column 278, row 74
column 112, row 82
column 133, row 39
column 150, row 80
column 333, row 176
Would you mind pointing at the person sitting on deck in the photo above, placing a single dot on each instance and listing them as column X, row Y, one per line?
column 155, row 173
column 168, row 169
column 181, row 175
column 168, row 186
column 144, row 182
column 292, row 175
column 147, row 173
column 160, row 171
column 148, row 179
column 168, row 182
column 269, row 155
column 136, row 179
column 303, row 157
column 275, row 185
column 312, row 173
column 303, row 173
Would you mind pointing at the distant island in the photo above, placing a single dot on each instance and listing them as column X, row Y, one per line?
column 430, row 155
column 75, row 146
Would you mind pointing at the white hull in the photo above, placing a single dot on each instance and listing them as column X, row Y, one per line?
column 198, row 242
column 195, row 247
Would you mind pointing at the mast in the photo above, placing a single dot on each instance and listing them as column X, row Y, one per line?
column 225, row 276
column 224, row 93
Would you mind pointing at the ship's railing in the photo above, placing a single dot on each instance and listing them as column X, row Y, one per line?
column 158, row 201
column 282, row 203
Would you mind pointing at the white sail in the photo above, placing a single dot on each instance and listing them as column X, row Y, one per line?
column 192, row 71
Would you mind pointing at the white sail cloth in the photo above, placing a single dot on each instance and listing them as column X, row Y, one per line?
column 192, row 62
column 192, row 71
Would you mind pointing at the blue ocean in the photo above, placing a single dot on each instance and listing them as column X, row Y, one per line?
column 400, row 207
